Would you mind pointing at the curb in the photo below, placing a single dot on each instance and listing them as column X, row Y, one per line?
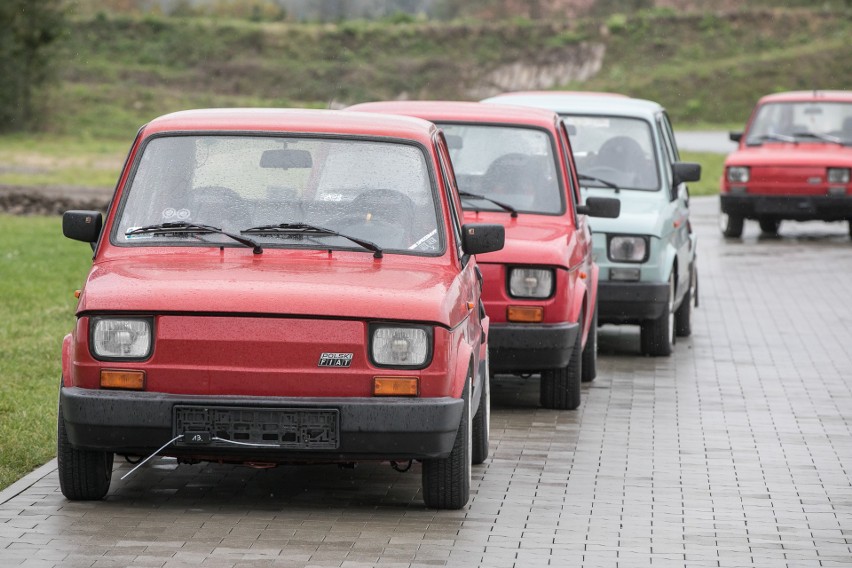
column 27, row 481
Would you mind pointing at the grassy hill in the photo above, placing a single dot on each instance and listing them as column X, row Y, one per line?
column 118, row 72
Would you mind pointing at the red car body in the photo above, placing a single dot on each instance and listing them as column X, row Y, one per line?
column 278, row 339
column 793, row 162
column 559, row 241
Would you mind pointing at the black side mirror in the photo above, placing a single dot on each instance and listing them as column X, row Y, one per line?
column 479, row 238
column 735, row 136
column 606, row 207
column 82, row 225
column 685, row 171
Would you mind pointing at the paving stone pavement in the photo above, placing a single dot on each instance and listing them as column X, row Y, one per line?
column 735, row 451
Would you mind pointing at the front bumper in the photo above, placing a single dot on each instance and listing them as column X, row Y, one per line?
column 631, row 302
column 529, row 348
column 138, row 423
column 794, row 207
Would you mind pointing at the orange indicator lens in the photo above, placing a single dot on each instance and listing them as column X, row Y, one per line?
column 396, row 386
column 129, row 380
column 525, row 314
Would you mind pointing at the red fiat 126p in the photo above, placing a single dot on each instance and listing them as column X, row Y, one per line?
column 514, row 166
column 280, row 286
column 793, row 163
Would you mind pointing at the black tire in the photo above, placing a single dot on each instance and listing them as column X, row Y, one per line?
column 560, row 388
column 482, row 420
column 683, row 315
column 446, row 481
column 657, row 337
column 769, row 226
column 850, row 228
column 731, row 225
column 84, row 475
column 590, row 353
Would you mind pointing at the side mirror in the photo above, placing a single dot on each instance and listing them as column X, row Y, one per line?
column 285, row 159
column 82, row 225
column 479, row 238
column 606, row 207
column 685, row 171
column 735, row 136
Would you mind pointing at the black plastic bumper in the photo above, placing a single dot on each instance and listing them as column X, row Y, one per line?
column 138, row 423
column 631, row 302
column 529, row 348
column 798, row 208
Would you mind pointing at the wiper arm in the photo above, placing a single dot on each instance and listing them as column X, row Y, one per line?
column 307, row 229
column 778, row 137
column 823, row 137
column 189, row 228
column 599, row 180
column 499, row 204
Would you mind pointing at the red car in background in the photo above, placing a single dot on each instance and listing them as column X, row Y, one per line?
column 793, row 162
column 514, row 166
column 280, row 286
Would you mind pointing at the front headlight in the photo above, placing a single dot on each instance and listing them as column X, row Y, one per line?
column 838, row 175
column 398, row 346
column 121, row 338
column 531, row 282
column 628, row 248
column 738, row 174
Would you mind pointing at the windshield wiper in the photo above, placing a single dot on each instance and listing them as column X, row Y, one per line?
column 764, row 137
column 599, row 180
column 306, row 229
column 499, row 204
column 823, row 137
column 192, row 228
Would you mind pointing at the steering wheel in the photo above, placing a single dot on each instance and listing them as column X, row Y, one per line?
column 603, row 171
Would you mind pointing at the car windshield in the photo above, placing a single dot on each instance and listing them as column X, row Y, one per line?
column 613, row 149
column 379, row 192
column 803, row 121
column 512, row 165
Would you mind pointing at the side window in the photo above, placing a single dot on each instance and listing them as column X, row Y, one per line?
column 670, row 148
column 667, row 128
column 451, row 188
column 565, row 145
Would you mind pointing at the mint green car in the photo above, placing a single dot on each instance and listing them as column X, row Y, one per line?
column 625, row 148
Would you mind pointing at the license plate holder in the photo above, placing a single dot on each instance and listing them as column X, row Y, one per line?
column 247, row 427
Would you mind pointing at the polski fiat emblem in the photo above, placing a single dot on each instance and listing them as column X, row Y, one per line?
column 335, row 359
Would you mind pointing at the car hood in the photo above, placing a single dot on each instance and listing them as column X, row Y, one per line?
column 792, row 155
column 321, row 285
column 642, row 212
column 530, row 239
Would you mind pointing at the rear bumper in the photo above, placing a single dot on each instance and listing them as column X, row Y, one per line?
column 799, row 208
column 138, row 423
column 529, row 348
column 631, row 302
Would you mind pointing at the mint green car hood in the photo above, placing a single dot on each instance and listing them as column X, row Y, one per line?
column 642, row 212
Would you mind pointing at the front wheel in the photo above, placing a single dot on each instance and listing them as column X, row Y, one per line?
column 731, row 225
column 482, row 420
column 560, row 388
column 446, row 481
column 84, row 475
column 657, row 336
column 683, row 315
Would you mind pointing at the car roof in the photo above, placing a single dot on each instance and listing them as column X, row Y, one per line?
column 792, row 96
column 460, row 111
column 577, row 102
column 299, row 121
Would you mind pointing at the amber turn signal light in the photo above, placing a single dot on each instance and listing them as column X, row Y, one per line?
column 396, row 386
column 127, row 380
column 525, row 314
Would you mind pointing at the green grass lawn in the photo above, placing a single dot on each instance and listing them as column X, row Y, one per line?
column 39, row 271
column 711, row 172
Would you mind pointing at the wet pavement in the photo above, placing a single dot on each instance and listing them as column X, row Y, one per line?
column 735, row 451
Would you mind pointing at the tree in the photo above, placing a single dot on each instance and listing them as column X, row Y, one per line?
column 29, row 33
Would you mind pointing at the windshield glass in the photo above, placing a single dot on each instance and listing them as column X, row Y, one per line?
column 513, row 165
column 804, row 121
column 614, row 149
column 376, row 191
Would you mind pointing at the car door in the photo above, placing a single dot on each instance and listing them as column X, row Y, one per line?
column 679, row 198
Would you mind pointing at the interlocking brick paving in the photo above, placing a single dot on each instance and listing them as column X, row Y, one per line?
column 735, row 451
